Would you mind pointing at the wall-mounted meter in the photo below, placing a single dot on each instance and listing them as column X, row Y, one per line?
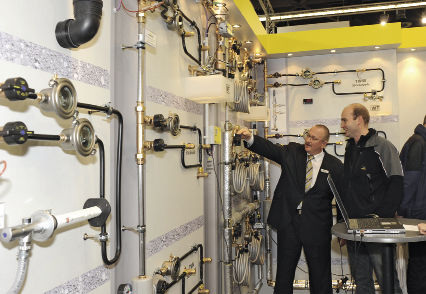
column 61, row 98
column 80, row 138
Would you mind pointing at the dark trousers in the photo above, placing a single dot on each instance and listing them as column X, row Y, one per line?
column 318, row 257
column 416, row 272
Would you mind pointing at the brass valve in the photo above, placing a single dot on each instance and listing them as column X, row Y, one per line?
column 203, row 290
column 207, row 260
column 189, row 271
column 189, row 146
column 201, row 173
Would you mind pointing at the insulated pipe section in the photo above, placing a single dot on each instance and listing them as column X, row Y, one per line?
column 238, row 216
column 266, row 207
column 227, row 155
column 72, row 33
column 43, row 223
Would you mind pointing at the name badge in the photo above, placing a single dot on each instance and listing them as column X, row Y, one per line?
column 325, row 171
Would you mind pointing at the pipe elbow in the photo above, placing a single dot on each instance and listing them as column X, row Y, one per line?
column 72, row 33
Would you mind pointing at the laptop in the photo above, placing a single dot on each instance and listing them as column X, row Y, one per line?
column 365, row 225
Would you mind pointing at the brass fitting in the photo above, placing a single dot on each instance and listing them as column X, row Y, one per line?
column 189, row 146
column 148, row 145
column 201, row 173
column 140, row 133
column 271, row 283
column 203, row 290
column 337, row 81
column 206, row 146
column 207, row 260
column 189, row 271
column 189, row 34
column 148, row 120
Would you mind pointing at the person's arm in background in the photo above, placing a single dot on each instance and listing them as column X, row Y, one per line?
column 262, row 146
column 422, row 228
column 395, row 188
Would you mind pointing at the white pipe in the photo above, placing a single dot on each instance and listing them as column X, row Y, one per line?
column 67, row 219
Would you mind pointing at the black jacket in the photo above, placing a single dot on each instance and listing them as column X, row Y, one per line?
column 373, row 177
column 413, row 159
column 290, row 190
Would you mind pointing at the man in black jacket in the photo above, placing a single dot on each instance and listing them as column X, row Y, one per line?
column 373, row 187
column 301, row 207
column 413, row 205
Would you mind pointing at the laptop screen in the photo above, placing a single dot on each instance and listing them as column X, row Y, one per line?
column 338, row 200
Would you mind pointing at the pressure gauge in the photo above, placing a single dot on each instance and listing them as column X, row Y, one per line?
column 307, row 73
column 61, row 98
column 316, row 83
column 80, row 138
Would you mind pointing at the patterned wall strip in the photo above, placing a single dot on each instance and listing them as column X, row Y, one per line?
column 156, row 245
column 22, row 52
column 162, row 97
column 85, row 283
column 336, row 121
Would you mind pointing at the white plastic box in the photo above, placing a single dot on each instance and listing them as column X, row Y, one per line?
column 209, row 89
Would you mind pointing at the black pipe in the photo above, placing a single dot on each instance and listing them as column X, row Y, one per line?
column 195, row 287
column 193, row 24
column 109, row 111
column 72, row 33
column 183, row 275
column 41, row 137
column 354, row 93
column 183, row 285
column 200, row 148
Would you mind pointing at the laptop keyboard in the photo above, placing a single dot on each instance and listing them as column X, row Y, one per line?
column 364, row 223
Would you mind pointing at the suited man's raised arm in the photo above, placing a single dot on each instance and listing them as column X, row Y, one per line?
column 268, row 149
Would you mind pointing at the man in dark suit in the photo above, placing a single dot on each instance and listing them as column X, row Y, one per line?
column 301, row 207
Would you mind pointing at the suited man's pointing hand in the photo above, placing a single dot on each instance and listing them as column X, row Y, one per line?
column 245, row 134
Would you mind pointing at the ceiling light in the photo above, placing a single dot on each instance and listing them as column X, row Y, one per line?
column 348, row 10
column 384, row 18
column 413, row 49
column 290, row 54
column 257, row 54
column 377, row 47
column 333, row 51
column 248, row 42
column 236, row 26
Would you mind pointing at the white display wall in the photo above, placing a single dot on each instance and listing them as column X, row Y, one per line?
column 41, row 175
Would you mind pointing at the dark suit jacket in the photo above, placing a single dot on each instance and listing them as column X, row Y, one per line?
column 316, row 213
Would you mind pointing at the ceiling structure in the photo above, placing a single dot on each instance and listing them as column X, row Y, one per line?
column 407, row 17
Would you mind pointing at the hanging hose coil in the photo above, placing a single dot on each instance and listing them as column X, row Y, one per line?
column 239, row 176
column 256, row 176
column 255, row 248
column 242, row 269
column 241, row 97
